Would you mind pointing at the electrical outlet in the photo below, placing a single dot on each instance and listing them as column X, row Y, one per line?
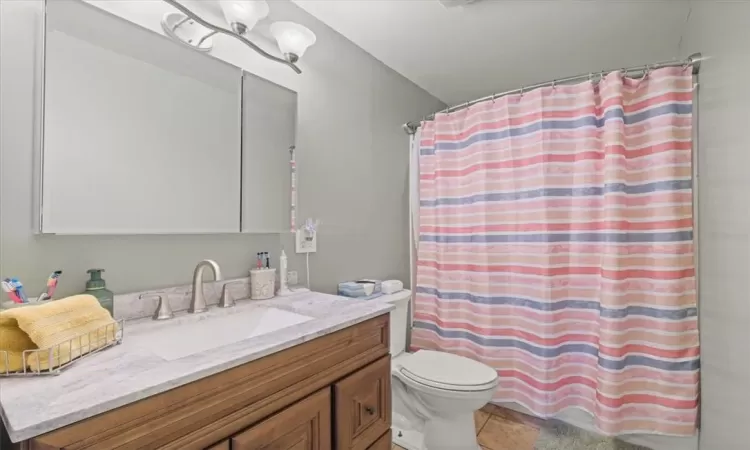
column 291, row 277
column 307, row 241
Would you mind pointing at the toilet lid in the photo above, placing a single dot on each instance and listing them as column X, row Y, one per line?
column 448, row 371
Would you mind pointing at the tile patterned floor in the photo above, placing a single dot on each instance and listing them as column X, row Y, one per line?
column 501, row 429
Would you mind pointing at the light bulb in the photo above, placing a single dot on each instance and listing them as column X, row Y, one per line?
column 242, row 15
column 293, row 39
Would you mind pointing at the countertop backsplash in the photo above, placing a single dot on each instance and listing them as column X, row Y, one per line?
column 130, row 306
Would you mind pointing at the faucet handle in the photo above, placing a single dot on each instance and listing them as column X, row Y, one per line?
column 227, row 299
column 163, row 311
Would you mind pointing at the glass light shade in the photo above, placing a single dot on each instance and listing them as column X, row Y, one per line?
column 245, row 12
column 292, row 38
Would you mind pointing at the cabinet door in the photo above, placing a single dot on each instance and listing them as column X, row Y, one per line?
column 306, row 425
column 363, row 406
column 269, row 125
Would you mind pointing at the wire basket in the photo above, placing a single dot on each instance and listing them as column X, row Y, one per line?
column 53, row 360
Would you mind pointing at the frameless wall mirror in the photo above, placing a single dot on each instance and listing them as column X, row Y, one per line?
column 141, row 135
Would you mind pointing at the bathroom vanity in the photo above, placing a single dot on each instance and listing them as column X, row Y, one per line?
column 320, row 384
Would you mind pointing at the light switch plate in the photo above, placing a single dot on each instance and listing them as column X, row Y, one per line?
column 307, row 242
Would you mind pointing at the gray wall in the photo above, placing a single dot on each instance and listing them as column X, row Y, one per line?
column 352, row 160
column 720, row 31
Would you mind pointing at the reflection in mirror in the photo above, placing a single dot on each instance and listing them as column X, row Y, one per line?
column 268, row 131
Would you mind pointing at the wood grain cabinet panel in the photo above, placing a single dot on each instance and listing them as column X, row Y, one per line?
column 306, row 425
column 363, row 406
column 223, row 445
column 384, row 443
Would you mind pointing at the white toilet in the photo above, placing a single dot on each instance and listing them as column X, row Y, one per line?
column 435, row 394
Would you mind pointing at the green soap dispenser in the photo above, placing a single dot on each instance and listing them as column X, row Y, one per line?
column 97, row 287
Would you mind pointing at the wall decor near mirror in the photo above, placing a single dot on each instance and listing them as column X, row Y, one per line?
column 142, row 135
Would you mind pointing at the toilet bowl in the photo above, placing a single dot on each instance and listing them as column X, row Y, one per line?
column 434, row 394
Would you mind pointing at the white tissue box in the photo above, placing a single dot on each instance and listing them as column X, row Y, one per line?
column 391, row 286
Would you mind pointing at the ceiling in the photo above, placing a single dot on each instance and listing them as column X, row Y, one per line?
column 460, row 54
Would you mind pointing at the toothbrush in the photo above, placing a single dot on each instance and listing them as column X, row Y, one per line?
column 52, row 282
column 51, row 285
column 11, row 290
column 7, row 287
column 15, row 282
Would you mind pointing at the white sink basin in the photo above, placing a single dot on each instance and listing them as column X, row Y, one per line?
column 185, row 339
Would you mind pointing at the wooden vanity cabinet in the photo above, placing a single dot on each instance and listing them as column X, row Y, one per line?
column 329, row 393
column 223, row 445
column 384, row 443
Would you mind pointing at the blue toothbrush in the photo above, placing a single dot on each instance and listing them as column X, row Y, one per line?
column 16, row 283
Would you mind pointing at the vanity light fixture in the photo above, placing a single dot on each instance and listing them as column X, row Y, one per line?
column 293, row 39
column 242, row 15
column 183, row 29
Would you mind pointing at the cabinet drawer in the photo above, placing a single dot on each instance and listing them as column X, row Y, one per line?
column 306, row 425
column 363, row 406
column 384, row 443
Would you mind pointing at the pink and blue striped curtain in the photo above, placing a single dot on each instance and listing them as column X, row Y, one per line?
column 556, row 245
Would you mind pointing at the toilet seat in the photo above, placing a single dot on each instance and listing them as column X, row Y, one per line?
column 447, row 371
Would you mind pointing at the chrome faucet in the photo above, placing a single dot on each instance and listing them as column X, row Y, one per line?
column 198, row 301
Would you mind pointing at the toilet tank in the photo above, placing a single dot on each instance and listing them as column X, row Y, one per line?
column 399, row 319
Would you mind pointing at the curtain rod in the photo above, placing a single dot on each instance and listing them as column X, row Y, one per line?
column 694, row 60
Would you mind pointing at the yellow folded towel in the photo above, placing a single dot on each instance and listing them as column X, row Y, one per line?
column 44, row 326
column 13, row 341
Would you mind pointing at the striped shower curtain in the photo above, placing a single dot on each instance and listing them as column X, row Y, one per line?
column 556, row 245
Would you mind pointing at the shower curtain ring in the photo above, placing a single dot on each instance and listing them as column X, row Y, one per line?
column 554, row 84
column 522, row 89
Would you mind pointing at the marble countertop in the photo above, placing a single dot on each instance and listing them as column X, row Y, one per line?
column 128, row 372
